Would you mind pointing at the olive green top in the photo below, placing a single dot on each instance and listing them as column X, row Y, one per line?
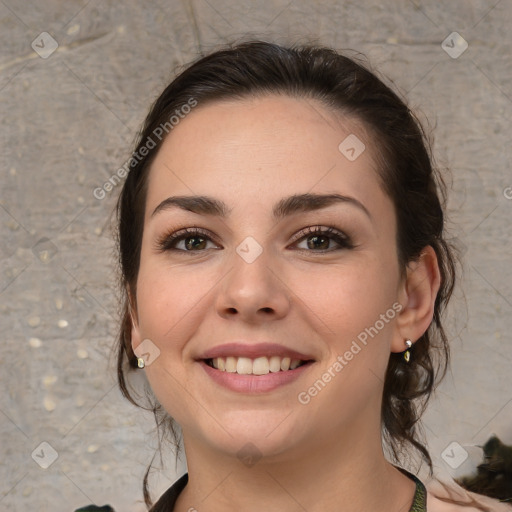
column 167, row 501
column 419, row 502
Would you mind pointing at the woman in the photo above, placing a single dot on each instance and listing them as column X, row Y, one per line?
column 285, row 272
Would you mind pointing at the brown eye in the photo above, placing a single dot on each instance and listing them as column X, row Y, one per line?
column 195, row 244
column 318, row 239
column 318, row 242
column 194, row 240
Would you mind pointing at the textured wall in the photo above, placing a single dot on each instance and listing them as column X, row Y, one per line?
column 68, row 120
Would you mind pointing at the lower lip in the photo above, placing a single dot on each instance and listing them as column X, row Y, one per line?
column 254, row 383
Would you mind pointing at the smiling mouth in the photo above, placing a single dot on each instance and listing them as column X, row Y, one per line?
column 257, row 366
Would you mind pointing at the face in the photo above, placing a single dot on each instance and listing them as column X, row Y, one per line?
column 269, row 281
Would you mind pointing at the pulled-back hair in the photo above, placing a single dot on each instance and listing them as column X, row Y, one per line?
column 405, row 169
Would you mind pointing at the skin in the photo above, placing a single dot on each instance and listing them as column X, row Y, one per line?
column 250, row 154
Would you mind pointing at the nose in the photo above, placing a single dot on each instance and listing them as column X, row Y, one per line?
column 253, row 290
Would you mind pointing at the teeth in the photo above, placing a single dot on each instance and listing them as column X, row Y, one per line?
column 275, row 364
column 258, row 366
column 294, row 364
column 285, row 363
column 230, row 364
column 244, row 366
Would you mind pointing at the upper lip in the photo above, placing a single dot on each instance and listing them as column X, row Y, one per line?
column 252, row 351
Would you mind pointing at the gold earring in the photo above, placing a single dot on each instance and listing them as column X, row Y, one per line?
column 140, row 362
column 407, row 353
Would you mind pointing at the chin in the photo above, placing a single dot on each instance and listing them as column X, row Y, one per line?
column 251, row 433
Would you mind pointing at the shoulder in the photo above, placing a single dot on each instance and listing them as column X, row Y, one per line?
column 444, row 497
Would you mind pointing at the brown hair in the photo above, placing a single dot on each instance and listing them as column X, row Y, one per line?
column 405, row 168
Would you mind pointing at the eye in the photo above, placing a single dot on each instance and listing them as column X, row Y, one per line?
column 318, row 239
column 194, row 240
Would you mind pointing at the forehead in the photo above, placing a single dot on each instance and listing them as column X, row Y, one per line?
column 247, row 150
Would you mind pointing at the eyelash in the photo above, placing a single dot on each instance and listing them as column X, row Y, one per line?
column 167, row 242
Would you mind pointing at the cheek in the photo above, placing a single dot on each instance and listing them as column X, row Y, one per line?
column 170, row 309
column 348, row 299
column 168, row 299
column 355, row 306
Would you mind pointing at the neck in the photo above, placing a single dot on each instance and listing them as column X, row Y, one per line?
column 330, row 475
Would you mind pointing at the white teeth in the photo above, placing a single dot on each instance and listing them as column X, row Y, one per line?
column 259, row 366
column 231, row 364
column 294, row 364
column 275, row 364
column 244, row 366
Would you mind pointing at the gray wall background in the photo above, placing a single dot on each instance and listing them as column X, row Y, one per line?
column 68, row 122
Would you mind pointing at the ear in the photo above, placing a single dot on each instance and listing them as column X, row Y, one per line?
column 136, row 336
column 417, row 294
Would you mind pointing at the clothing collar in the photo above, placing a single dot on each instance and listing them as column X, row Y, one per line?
column 168, row 500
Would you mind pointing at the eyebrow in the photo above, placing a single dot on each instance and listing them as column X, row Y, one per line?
column 205, row 205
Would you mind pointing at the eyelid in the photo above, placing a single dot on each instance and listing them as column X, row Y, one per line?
column 324, row 230
column 173, row 236
column 340, row 237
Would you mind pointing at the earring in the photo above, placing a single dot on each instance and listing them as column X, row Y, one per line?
column 407, row 353
column 140, row 362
